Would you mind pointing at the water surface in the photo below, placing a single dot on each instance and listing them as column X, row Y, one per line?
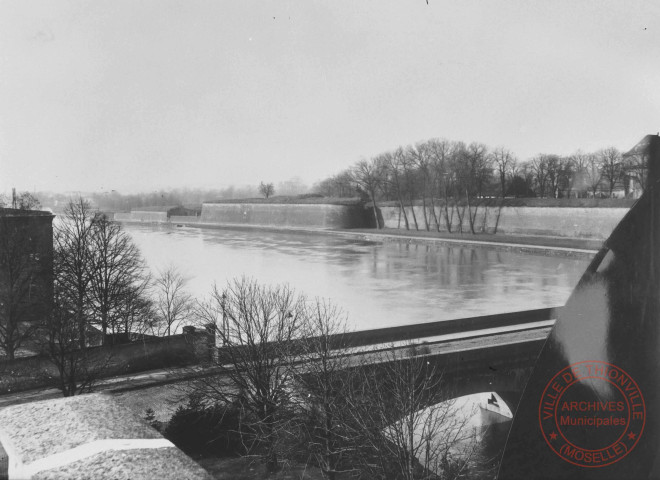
column 376, row 284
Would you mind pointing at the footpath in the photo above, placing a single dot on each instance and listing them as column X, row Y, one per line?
column 565, row 245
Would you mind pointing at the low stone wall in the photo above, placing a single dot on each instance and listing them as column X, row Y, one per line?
column 322, row 216
column 189, row 348
column 595, row 223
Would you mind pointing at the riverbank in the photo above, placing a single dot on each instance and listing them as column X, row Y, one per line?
column 544, row 244
column 565, row 245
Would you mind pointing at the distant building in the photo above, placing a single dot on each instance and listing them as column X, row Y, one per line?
column 156, row 214
column 26, row 264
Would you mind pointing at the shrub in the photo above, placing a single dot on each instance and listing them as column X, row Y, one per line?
column 198, row 429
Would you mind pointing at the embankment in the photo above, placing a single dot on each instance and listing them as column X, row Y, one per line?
column 571, row 222
column 313, row 216
column 576, row 219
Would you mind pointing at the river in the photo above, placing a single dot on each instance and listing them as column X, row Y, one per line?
column 377, row 284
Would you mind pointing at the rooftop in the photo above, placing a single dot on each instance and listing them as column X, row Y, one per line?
column 15, row 212
column 88, row 436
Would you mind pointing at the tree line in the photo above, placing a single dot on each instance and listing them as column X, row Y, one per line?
column 115, row 201
column 441, row 173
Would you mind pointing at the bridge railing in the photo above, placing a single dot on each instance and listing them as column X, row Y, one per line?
column 443, row 327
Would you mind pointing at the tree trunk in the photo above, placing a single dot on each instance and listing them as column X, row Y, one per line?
column 499, row 212
column 435, row 216
column 448, row 220
column 426, row 220
column 405, row 216
column 412, row 209
column 470, row 217
column 329, row 450
column 461, row 214
column 104, row 325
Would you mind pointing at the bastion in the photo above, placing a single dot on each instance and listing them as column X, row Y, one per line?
column 320, row 216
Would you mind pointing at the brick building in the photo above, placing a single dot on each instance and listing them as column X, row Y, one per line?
column 26, row 269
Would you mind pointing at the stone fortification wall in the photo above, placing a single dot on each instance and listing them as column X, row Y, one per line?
column 320, row 216
column 141, row 216
column 565, row 222
column 578, row 222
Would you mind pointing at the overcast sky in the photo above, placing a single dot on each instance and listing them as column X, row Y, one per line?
column 140, row 95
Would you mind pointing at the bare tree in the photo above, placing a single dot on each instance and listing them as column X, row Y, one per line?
column 579, row 163
column 480, row 167
column 553, row 170
column 410, row 179
column 504, row 163
column 479, row 170
column 323, row 378
column 539, row 167
column 439, row 152
column 256, row 326
column 266, row 189
column 406, row 427
column 116, row 268
column 394, row 169
column 526, row 172
column 370, row 175
column 173, row 304
column 593, row 174
column 420, row 156
column 612, row 167
column 78, row 368
column 636, row 169
column 459, row 180
column 73, row 239
column 136, row 315
column 565, row 174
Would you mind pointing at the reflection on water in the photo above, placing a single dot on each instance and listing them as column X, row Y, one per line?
column 377, row 284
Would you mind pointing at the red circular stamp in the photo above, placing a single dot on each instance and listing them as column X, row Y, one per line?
column 592, row 414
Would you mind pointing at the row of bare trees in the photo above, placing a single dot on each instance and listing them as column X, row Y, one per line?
column 439, row 171
column 435, row 172
column 581, row 174
column 285, row 366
